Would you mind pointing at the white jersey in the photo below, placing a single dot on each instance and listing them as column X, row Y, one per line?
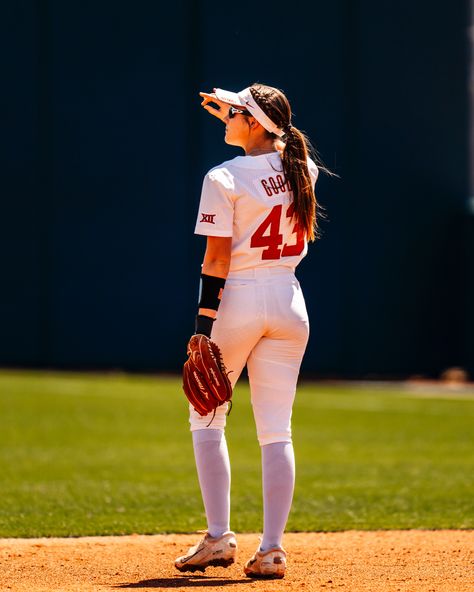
column 249, row 199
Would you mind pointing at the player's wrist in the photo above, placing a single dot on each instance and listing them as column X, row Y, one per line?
column 203, row 325
column 208, row 312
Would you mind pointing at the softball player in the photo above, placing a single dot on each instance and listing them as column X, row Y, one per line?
column 258, row 212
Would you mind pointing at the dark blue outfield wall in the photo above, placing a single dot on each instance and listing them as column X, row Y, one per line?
column 105, row 147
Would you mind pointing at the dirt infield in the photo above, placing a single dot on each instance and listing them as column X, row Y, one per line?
column 392, row 561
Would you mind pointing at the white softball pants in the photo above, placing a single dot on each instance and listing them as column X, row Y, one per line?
column 262, row 322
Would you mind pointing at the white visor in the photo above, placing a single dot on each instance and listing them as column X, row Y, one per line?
column 245, row 99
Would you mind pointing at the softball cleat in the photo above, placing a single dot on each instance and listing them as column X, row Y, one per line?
column 269, row 564
column 216, row 552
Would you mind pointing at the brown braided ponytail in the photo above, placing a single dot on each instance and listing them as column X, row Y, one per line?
column 294, row 157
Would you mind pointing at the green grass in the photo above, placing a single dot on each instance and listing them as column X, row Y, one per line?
column 85, row 454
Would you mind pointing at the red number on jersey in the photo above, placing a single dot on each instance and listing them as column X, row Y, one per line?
column 274, row 239
column 297, row 248
column 271, row 240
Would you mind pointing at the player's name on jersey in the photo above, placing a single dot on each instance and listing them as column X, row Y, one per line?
column 275, row 185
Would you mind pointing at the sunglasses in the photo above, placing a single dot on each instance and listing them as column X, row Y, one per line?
column 233, row 112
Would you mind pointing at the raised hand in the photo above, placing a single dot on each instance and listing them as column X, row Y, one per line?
column 222, row 109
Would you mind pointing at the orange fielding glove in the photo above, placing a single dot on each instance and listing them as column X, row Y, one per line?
column 205, row 378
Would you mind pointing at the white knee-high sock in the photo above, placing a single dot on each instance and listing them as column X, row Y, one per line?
column 213, row 468
column 278, row 476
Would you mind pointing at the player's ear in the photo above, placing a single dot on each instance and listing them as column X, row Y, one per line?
column 254, row 124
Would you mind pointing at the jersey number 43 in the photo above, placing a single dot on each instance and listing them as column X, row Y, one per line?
column 273, row 240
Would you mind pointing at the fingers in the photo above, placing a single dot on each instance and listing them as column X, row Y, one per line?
column 206, row 101
column 210, row 98
column 208, row 95
column 216, row 112
column 223, row 108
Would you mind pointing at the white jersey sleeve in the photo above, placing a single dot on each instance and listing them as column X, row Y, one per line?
column 216, row 207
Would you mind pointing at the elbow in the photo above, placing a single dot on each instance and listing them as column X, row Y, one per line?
column 220, row 261
column 217, row 256
column 218, row 266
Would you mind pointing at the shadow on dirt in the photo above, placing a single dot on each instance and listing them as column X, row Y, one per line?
column 184, row 581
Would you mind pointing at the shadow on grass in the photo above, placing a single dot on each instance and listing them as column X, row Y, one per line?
column 184, row 581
